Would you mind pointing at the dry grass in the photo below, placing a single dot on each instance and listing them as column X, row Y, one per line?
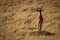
column 19, row 19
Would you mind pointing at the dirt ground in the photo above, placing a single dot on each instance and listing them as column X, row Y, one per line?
column 19, row 19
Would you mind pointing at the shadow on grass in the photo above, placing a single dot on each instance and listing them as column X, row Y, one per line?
column 42, row 33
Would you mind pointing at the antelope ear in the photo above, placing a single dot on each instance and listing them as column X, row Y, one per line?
column 41, row 9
